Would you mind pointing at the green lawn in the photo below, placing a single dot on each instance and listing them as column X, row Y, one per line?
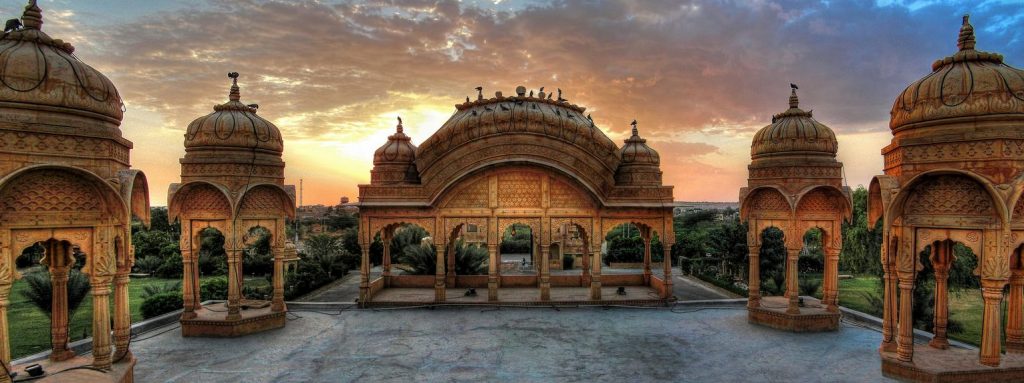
column 30, row 328
column 965, row 306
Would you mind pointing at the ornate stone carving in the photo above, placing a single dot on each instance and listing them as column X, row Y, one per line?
column 949, row 195
column 50, row 191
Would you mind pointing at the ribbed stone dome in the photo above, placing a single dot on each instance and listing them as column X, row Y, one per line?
column 967, row 84
column 37, row 70
column 523, row 115
column 398, row 149
column 234, row 125
column 794, row 131
column 637, row 152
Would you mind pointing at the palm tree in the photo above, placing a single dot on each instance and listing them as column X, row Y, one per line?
column 40, row 291
column 327, row 253
column 418, row 260
column 470, row 259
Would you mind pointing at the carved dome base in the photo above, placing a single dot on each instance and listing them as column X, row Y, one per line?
column 951, row 365
column 213, row 324
column 813, row 318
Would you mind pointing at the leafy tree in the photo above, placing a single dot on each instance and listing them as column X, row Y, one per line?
column 325, row 251
column 517, row 239
column 257, row 256
column 772, row 262
column 40, row 291
column 213, row 259
column 30, row 256
column 862, row 240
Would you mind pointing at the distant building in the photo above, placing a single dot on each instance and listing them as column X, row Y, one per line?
column 683, row 207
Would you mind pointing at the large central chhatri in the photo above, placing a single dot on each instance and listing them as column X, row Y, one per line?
column 521, row 160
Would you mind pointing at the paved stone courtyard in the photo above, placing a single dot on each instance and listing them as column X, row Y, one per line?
column 515, row 345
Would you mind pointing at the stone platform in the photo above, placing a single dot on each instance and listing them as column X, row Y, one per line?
column 813, row 317
column 211, row 321
column 72, row 370
column 560, row 296
column 952, row 365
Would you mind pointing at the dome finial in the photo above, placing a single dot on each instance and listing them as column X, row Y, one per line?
column 33, row 16
column 235, row 95
column 794, row 102
column 636, row 133
column 399, row 128
column 966, row 40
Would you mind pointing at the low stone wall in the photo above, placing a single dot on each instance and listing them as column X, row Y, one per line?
column 567, row 281
column 518, row 281
column 634, row 265
column 422, row 281
column 658, row 285
column 622, row 280
column 376, row 286
column 474, row 281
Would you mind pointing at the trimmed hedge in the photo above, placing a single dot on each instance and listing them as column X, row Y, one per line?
column 728, row 285
column 161, row 304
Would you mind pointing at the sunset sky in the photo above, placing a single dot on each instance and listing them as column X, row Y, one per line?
column 700, row 77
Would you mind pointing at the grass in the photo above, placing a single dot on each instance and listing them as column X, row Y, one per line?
column 965, row 306
column 29, row 328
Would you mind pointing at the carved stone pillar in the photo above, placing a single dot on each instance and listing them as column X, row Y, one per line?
column 941, row 263
column 364, row 275
column 1015, row 314
column 386, row 261
column 122, row 316
column 439, row 280
column 754, row 277
column 889, row 306
column 792, row 281
column 277, row 300
column 189, row 290
column 667, row 269
column 585, row 273
column 101, row 322
column 992, row 292
column 450, row 259
column 831, row 280
column 57, row 253
column 5, row 292
column 647, row 259
column 234, row 287
column 595, row 277
column 545, row 273
column 905, row 338
column 492, row 272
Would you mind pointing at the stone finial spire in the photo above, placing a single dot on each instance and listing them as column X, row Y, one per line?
column 399, row 128
column 33, row 16
column 966, row 40
column 636, row 133
column 794, row 102
column 234, row 95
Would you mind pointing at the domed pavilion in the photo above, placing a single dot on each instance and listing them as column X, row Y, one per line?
column 795, row 185
column 526, row 163
column 232, row 183
column 954, row 174
column 66, row 183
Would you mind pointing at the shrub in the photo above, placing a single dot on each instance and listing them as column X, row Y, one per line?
column 214, row 289
column 307, row 277
column 809, row 287
column 149, row 265
column 171, row 268
column 161, row 304
column 170, row 287
column 418, row 260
